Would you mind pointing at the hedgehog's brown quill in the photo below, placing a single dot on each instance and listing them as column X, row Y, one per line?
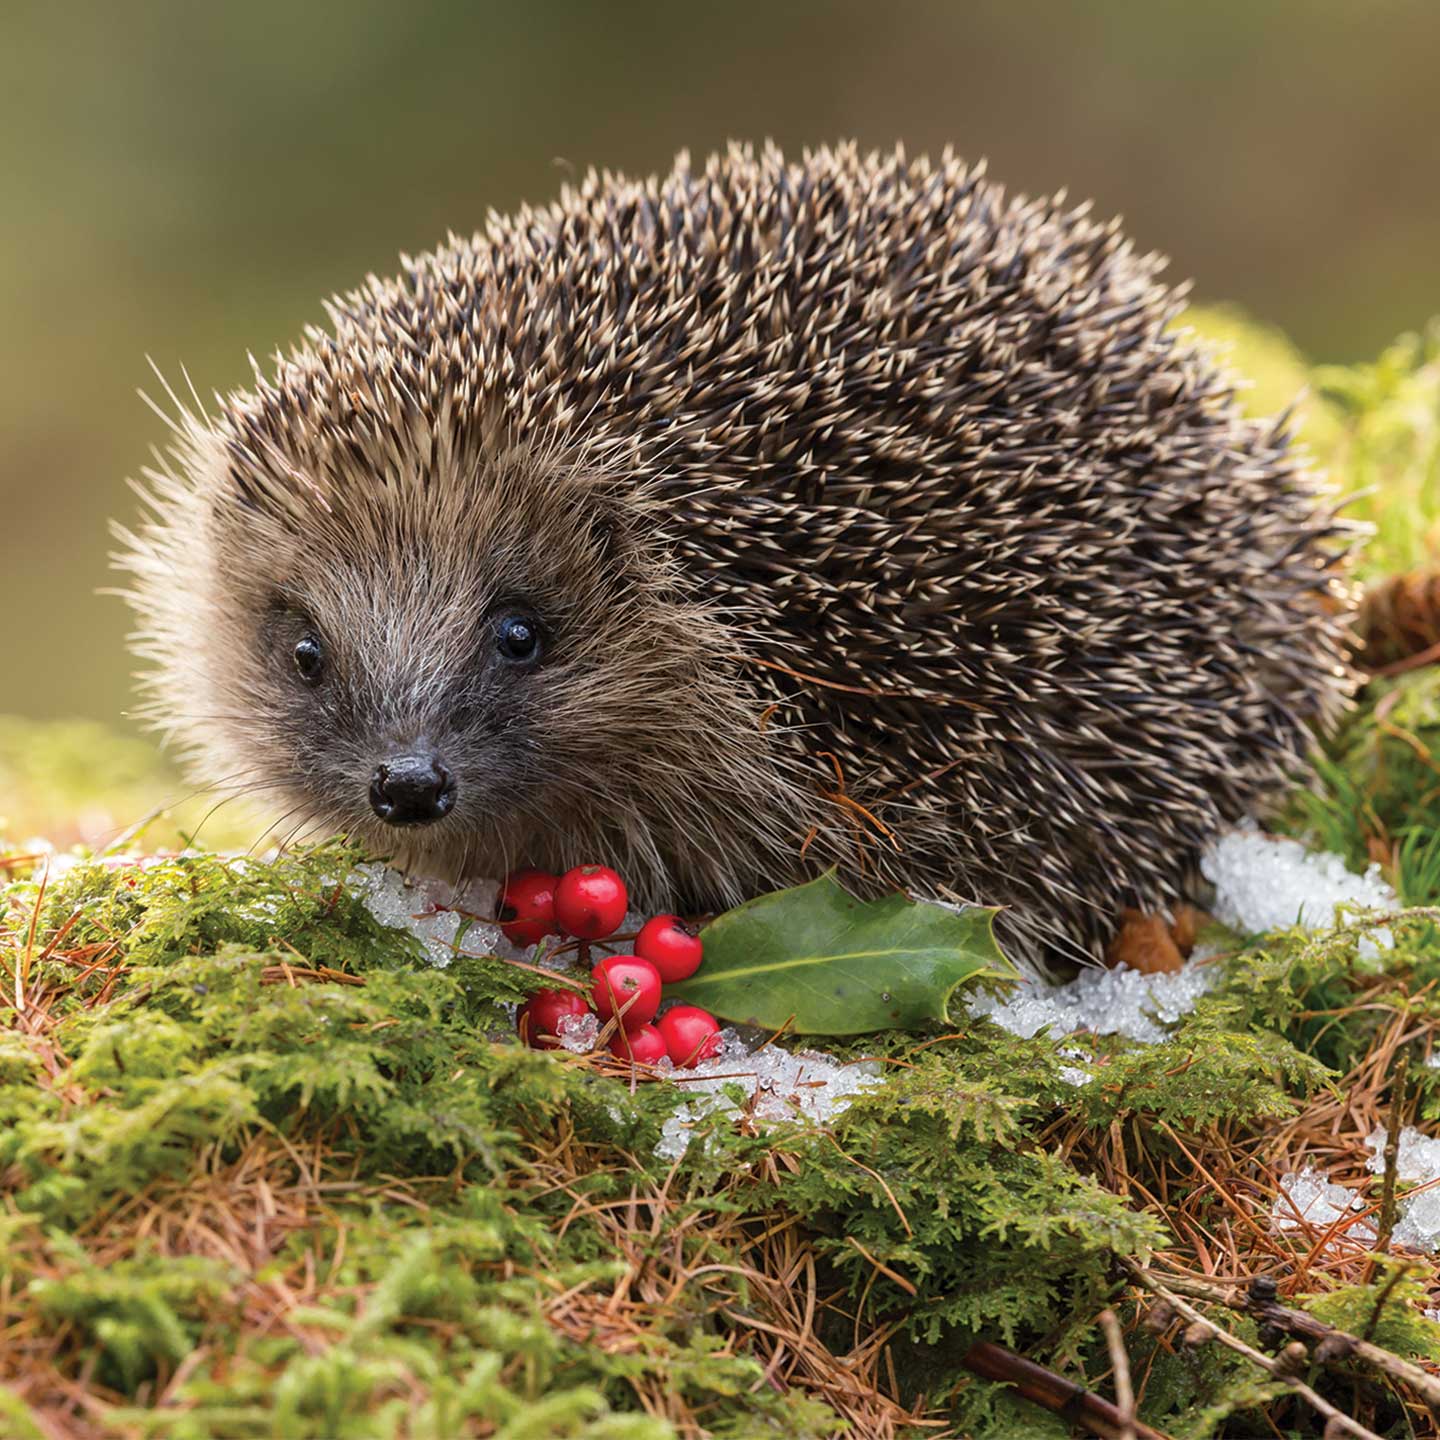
column 872, row 517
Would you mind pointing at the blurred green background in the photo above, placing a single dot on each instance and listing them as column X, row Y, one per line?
column 187, row 181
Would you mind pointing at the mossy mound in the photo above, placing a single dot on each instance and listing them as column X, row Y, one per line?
column 267, row 1171
column 243, row 1122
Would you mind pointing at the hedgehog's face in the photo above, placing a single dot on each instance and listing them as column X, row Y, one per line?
column 417, row 711
column 446, row 673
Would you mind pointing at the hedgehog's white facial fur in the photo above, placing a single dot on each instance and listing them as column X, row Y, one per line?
column 871, row 515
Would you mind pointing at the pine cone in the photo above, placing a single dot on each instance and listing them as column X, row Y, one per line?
column 1399, row 621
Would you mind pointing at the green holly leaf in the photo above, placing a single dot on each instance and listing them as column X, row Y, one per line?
column 830, row 964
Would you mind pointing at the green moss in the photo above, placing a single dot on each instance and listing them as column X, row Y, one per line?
column 991, row 1233
column 175, row 1051
column 1389, row 1312
column 179, row 1056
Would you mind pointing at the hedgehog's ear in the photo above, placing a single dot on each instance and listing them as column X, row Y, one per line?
column 615, row 534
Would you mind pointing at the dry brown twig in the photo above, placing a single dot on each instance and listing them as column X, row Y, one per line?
column 1334, row 1344
column 1120, row 1364
column 1331, row 1344
column 1055, row 1393
column 1386, row 1225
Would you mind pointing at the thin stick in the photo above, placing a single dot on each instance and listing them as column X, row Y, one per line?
column 1392, row 1152
column 1120, row 1363
column 1396, row 1276
column 1307, row 1327
column 1410, row 662
column 1054, row 1392
column 1338, row 1421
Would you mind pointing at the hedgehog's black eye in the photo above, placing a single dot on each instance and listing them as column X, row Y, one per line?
column 517, row 637
column 310, row 660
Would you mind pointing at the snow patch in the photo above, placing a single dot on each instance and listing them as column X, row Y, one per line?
column 1121, row 1001
column 578, row 1033
column 1417, row 1161
column 1417, row 1158
column 1268, row 882
column 1072, row 1074
column 394, row 901
column 1262, row 882
column 1309, row 1199
column 778, row 1085
column 1417, row 1216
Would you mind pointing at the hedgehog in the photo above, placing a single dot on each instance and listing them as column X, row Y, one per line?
column 730, row 526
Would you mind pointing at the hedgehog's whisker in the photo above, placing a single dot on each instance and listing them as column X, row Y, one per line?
column 275, row 825
column 285, row 844
column 249, row 792
column 124, row 833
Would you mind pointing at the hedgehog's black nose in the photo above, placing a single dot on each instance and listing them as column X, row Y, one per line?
column 411, row 790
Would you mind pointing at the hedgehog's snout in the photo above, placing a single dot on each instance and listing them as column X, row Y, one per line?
column 412, row 790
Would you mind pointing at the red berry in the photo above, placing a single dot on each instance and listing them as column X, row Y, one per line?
column 645, row 1046
column 690, row 1034
column 538, row 1020
column 590, row 902
column 627, row 986
column 525, row 907
column 671, row 946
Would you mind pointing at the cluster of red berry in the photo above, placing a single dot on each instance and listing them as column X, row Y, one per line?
column 588, row 904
